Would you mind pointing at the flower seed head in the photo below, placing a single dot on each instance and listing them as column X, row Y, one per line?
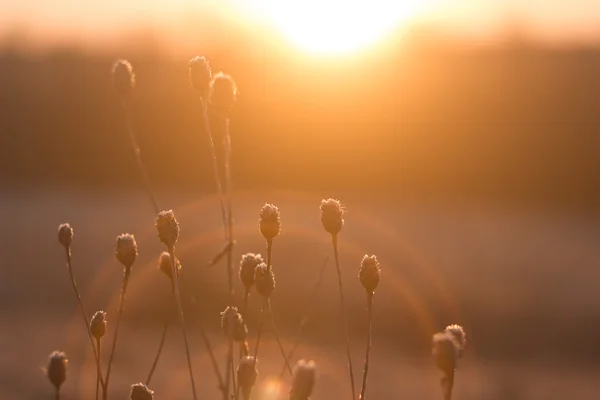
column 164, row 264
column 247, row 374
column 445, row 351
column 369, row 273
column 270, row 223
column 139, row 391
column 98, row 325
column 127, row 249
column 459, row 335
column 223, row 94
column 305, row 376
column 57, row 368
column 200, row 74
column 247, row 267
column 65, row 235
column 332, row 214
column 233, row 324
column 264, row 279
column 167, row 227
column 123, row 76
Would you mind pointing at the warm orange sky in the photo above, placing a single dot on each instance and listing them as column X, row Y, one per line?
column 87, row 21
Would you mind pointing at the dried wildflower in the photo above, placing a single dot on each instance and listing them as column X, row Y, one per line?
column 332, row 214
column 200, row 74
column 164, row 264
column 139, row 391
column 459, row 335
column 223, row 94
column 57, row 368
column 270, row 223
column 264, row 279
column 65, row 235
column 247, row 374
column 305, row 375
column 168, row 228
column 127, row 249
column 98, row 325
column 247, row 267
column 445, row 351
column 369, row 273
column 123, row 76
column 232, row 324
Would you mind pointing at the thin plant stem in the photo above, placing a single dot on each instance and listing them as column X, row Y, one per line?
column 306, row 317
column 212, row 357
column 243, row 346
column 366, row 367
column 269, row 254
column 56, row 393
column 82, row 308
column 117, row 329
column 448, row 385
column 233, row 381
column 161, row 344
column 276, row 332
column 98, row 368
column 138, row 154
column 334, row 242
column 259, row 334
column 182, row 317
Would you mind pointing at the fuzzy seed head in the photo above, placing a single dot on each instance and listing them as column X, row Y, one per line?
column 332, row 214
column 167, row 227
column 270, row 222
column 123, row 76
column 369, row 273
column 164, row 264
column 222, row 94
column 459, row 335
column 200, row 74
column 305, row 376
column 98, row 325
column 127, row 249
column 264, row 279
column 65, row 235
column 139, row 391
column 247, row 374
column 57, row 368
column 247, row 268
column 232, row 324
column 445, row 352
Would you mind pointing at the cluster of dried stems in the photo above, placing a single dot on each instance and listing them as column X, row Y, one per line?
column 217, row 96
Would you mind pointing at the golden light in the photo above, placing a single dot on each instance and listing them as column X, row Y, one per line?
column 335, row 26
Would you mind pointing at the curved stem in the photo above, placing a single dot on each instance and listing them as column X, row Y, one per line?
column 98, row 368
column 270, row 310
column 117, row 329
column 161, row 345
column 334, row 242
column 366, row 367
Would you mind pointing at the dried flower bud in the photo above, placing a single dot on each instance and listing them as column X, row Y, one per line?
column 168, row 228
column 65, row 235
column 233, row 324
column 270, row 223
column 139, row 391
column 247, row 374
column 57, row 368
column 369, row 273
column 445, row 351
column 200, row 74
column 459, row 335
column 98, row 325
column 247, row 267
column 123, row 76
column 164, row 264
column 223, row 94
column 264, row 279
column 332, row 214
column 305, row 375
column 127, row 250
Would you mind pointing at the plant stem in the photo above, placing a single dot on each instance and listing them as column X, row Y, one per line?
column 334, row 241
column 260, row 326
column 269, row 254
column 366, row 367
column 212, row 357
column 448, row 385
column 270, row 310
column 98, row 368
column 182, row 317
column 117, row 328
column 161, row 345
column 81, row 307
column 56, row 393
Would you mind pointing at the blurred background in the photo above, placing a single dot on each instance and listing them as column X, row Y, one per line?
column 461, row 136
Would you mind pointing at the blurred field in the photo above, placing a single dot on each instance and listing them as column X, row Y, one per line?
column 523, row 284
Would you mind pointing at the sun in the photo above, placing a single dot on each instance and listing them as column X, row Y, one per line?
column 335, row 26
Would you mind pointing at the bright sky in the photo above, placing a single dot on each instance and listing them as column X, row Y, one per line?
column 319, row 25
